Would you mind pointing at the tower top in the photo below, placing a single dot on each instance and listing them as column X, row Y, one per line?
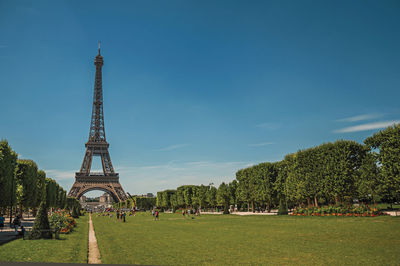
column 98, row 61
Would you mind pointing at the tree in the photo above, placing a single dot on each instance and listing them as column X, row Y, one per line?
column 264, row 176
column 211, row 197
column 232, row 188
column 294, row 186
column 224, row 196
column 283, row 209
column 26, row 177
column 173, row 201
column 187, row 194
column 246, row 186
column 51, row 192
column 8, row 162
column 159, row 200
column 369, row 185
column 200, row 195
column 387, row 142
column 180, row 197
column 341, row 169
column 41, row 227
column 280, row 182
column 40, row 189
column 145, row 203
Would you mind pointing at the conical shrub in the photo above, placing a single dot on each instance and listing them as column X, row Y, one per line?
column 75, row 212
column 283, row 209
column 41, row 227
column 226, row 209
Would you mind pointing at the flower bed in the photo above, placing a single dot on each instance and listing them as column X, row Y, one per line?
column 361, row 211
column 62, row 221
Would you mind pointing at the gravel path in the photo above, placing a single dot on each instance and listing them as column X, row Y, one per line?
column 94, row 254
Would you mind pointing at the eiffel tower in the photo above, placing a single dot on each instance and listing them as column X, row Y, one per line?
column 108, row 180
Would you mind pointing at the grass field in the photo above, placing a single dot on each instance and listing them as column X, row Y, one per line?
column 230, row 239
column 71, row 248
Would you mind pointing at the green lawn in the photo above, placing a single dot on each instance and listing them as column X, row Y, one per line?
column 71, row 248
column 230, row 239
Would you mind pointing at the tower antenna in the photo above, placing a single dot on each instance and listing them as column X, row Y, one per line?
column 99, row 47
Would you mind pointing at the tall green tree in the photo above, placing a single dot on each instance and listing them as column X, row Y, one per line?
column 188, row 194
column 387, row 143
column 265, row 175
column 51, row 192
column 200, row 196
column 40, row 189
column 224, row 196
column 26, row 177
column 174, row 201
column 180, row 196
column 232, row 188
column 342, row 170
column 159, row 201
column 211, row 197
column 369, row 185
column 8, row 163
column 247, row 183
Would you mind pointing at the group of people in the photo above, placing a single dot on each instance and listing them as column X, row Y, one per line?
column 15, row 224
column 155, row 214
column 121, row 216
column 189, row 212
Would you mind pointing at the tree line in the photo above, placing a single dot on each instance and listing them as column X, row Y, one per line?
column 140, row 203
column 24, row 186
column 331, row 173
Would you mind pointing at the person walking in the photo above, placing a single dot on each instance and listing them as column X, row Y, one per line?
column 22, row 232
column 16, row 222
column 123, row 216
column 156, row 214
column 2, row 219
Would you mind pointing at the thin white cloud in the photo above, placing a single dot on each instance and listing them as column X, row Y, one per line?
column 260, row 144
column 173, row 147
column 153, row 178
column 360, row 118
column 269, row 126
column 61, row 174
column 369, row 126
column 142, row 179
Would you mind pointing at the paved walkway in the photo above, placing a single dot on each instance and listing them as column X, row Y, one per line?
column 8, row 234
column 273, row 212
column 94, row 253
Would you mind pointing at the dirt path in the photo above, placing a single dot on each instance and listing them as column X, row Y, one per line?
column 94, row 254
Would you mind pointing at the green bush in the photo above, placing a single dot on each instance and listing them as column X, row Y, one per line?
column 75, row 212
column 41, row 227
column 226, row 209
column 283, row 210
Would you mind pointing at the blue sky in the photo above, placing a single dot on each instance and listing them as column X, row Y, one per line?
column 194, row 90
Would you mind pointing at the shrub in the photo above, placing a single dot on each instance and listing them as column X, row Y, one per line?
column 75, row 212
column 62, row 221
column 41, row 227
column 283, row 210
column 338, row 211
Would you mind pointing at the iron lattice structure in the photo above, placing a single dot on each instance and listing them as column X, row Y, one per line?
column 97, row 145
